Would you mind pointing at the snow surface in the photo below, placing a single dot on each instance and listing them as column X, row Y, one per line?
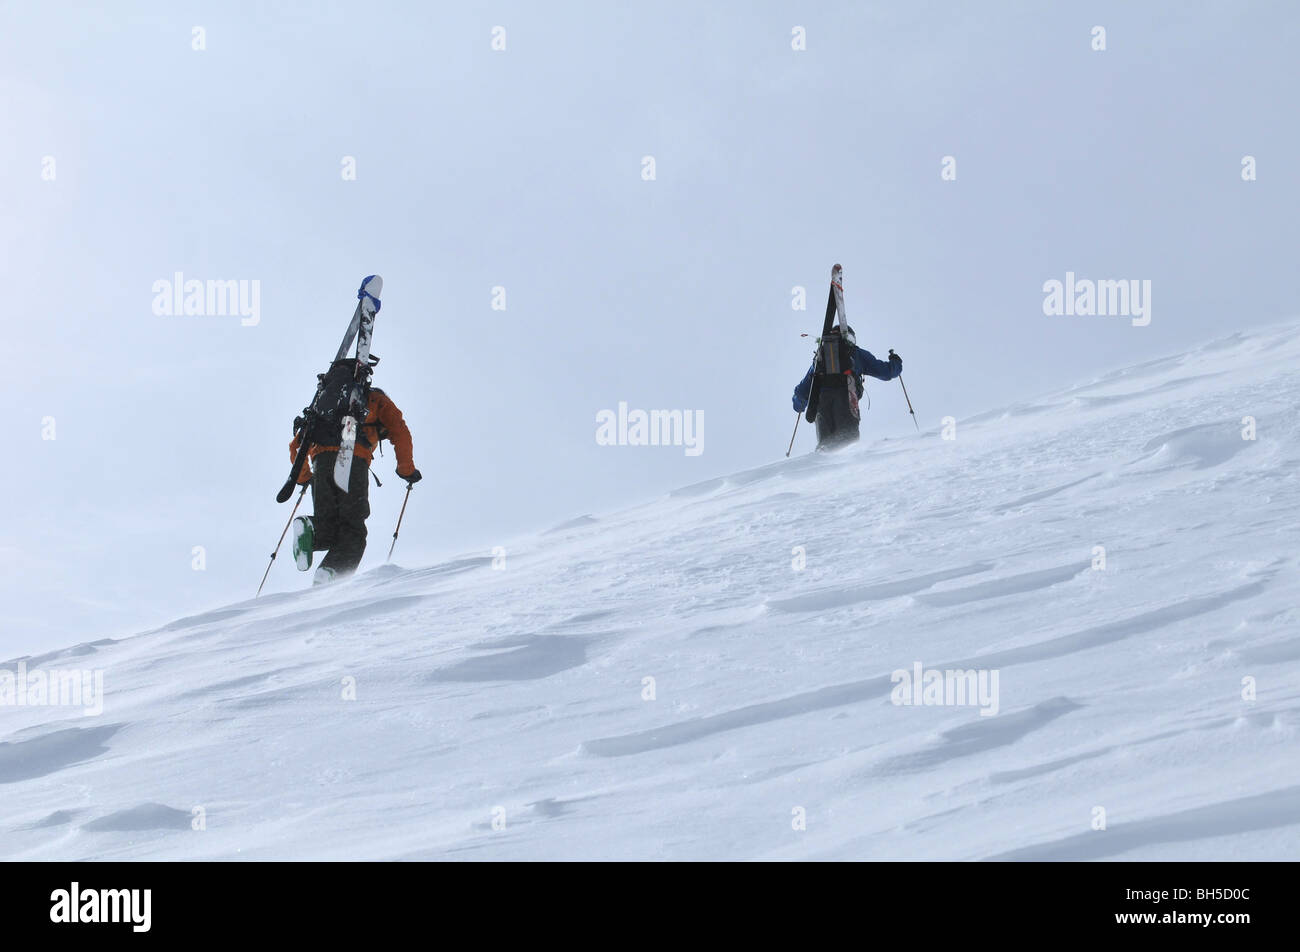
column 516, row 694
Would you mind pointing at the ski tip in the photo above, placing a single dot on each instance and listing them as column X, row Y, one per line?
column 372, row 286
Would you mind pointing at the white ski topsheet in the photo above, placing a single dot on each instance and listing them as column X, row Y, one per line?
column 364, row 331
column 837, row 282
column 673, row 682
column 375, row 287
column 343, row 461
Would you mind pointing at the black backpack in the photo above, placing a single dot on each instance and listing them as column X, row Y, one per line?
column 323, row 420
column 834, row 357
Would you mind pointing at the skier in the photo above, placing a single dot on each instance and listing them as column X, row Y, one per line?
column 338, row 523
column 837, row 411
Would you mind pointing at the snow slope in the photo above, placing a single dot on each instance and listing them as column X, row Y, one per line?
column 515, row 695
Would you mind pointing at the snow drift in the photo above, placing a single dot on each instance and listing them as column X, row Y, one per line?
column 712, row 675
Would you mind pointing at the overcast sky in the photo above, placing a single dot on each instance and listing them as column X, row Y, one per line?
column 128, row 155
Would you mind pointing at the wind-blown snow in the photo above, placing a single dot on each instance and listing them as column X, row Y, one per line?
column 515, row 694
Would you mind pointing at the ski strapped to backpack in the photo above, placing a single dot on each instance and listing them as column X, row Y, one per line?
column 359, row 394
column 833, row 359
column 846, row 344
column 810, row 414
column 341, row 394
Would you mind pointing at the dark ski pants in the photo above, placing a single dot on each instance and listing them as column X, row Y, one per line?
column 836, row 424
column 339, row 518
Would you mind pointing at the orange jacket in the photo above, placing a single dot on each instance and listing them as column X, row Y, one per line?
column 383, row 421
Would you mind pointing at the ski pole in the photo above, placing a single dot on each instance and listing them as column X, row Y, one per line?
column 797, row 417
column 282, row 535
column 906, row 397
column 409, row 487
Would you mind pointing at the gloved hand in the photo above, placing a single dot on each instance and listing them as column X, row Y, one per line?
column 894, row 358
column 798, row 404
column 411, row 478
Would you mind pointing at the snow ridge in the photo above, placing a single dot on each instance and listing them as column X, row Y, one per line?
column 670, row 682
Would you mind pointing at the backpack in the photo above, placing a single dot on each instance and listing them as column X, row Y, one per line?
column 835, row 359
column 323, row 420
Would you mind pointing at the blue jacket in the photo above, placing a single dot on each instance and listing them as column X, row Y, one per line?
column 863, row 363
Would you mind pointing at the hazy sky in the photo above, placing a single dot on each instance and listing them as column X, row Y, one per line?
column 126, row 155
